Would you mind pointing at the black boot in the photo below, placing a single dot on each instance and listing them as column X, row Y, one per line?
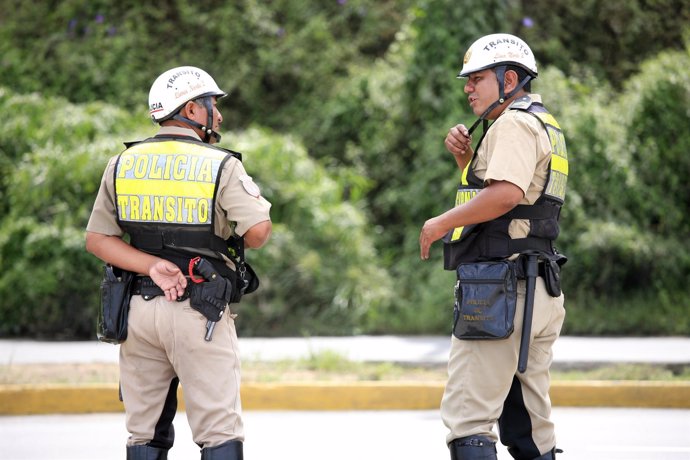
column 231, row 450
column 472, row 448
column 550, row 455
column 144, row 452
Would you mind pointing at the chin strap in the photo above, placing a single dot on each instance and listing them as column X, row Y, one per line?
column 207, row 129
column 502, row 97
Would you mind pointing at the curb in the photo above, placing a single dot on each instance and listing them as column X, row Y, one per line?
column 66, row 399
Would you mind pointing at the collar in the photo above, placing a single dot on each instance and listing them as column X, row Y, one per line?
column 523, row 102
column 177, row 131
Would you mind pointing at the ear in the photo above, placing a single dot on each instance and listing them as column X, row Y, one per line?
column 189, row 110
column 510, row 80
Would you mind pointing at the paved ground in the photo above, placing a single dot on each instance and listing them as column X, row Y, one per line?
column 568, row 351
column 584, row 434
column 592, row 433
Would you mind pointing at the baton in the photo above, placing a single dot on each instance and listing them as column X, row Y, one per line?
column 531, row 272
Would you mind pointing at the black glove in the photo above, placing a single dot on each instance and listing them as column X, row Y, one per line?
column 212, row 296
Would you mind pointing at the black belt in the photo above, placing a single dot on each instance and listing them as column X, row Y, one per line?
column 145, row 287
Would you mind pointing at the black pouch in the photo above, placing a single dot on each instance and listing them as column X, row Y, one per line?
column 552, row 274
column 485, row 300
column 115, row 295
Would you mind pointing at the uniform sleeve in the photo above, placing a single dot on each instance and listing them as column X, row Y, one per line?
column 512, row 149
column 103, row 217
column 239, row 198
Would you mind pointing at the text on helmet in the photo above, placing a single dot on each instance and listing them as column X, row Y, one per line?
column 522, row 48
column 180, row 73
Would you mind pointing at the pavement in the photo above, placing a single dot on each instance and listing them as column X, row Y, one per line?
column 595, row 420
column 584, row 433
column 569, row 352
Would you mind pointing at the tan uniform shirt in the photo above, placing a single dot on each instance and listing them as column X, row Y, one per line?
column 236, row 199
column 516, row 149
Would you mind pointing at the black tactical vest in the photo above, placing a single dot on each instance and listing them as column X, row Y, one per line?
column 491, row 240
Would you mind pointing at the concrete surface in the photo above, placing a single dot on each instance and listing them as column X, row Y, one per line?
column 568, row 351
column 583, row 433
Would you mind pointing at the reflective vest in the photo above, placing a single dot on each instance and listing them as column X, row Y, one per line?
column 165, row 191
column 491, row 240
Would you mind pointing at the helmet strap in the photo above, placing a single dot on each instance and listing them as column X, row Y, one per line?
column 208, row 129
column 502, row 97
column 208, row 132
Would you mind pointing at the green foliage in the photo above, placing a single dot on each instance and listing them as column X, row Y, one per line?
column 49, row 282
column 625, row 226
column 280, row 54
column 54, row 153
column 321, row 273
column 341, row 109
column 609, row 38
column 657, row 135
column 637, row 372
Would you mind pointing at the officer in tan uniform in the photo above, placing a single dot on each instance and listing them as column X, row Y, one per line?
column 505, row 221
column 189, row 209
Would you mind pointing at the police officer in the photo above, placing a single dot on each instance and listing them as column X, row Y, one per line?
column 182, row 202
column 508, row 203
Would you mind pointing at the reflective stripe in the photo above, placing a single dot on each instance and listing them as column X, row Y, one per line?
column 559, row 164
column 464, row 194
column 548, row 119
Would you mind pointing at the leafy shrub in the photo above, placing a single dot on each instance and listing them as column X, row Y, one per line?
column 320, row 273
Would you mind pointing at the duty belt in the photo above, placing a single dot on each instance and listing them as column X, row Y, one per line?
column 148, row 289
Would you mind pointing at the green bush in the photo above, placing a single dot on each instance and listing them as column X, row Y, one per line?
column 625, row 228
column 607, row 38
column 277, row 59
column 341, row 109
column 49, row 284
column 320, row 273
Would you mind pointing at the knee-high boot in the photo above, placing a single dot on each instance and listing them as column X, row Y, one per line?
column 231, row 450
column 472, row 448
column 144, row 452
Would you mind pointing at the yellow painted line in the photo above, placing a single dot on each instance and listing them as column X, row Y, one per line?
column 342, row 396
column 626, row 393
column 60, row 399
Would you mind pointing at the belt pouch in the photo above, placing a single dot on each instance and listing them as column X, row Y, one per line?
column 552, row 277
column 115, row 295
column 485, row 300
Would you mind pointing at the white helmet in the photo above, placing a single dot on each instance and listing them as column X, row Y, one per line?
column 175, row 87
column 498, row 49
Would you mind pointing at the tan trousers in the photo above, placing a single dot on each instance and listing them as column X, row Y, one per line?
column 482, row 373
column 165, row 340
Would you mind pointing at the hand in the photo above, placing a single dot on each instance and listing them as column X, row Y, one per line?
column 169, row 278
column 431, row 231
column 458, row 141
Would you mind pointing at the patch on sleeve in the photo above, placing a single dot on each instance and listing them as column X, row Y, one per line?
column 249, row 186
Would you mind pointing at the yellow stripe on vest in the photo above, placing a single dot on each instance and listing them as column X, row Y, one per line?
column 463, row 195
column 559, row 164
